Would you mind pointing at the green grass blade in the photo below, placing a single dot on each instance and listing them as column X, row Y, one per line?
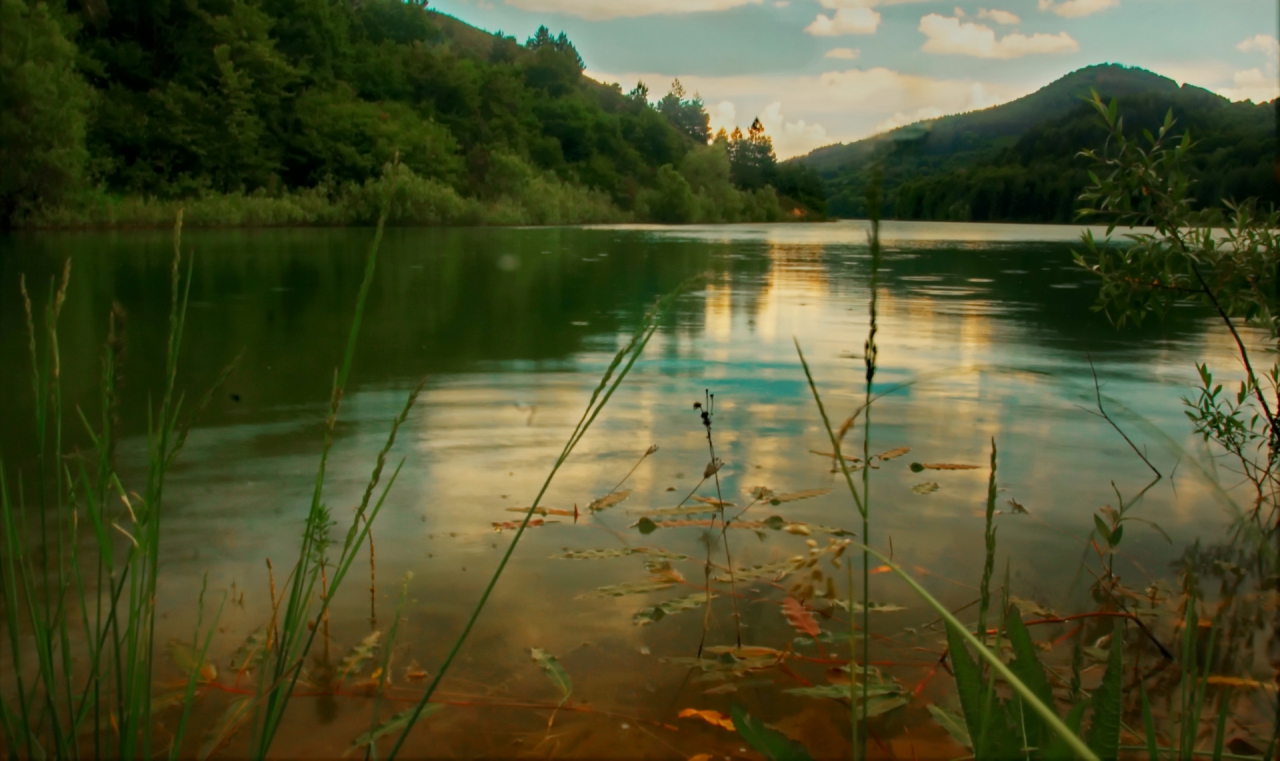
column 1026, row 664
column 1149, row 724
column 770, row 743
column 1104, row 728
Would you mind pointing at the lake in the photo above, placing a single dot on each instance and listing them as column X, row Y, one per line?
column 984, row 332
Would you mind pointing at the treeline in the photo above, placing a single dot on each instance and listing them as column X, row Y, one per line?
column 322, row 111
column 1037, row 176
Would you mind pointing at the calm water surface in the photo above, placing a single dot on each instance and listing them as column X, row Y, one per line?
column 985, row 331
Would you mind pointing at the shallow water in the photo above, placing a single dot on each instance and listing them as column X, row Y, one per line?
column 985, row 332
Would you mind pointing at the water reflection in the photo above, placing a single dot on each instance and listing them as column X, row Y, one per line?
column 985, row 332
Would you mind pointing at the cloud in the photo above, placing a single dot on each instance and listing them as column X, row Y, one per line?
column 1000, row 17
column 950, row 36
column 1263, row 43
column 1077, row 8
column 848, row 105
column 855, row 20
column 791, row 138
column 1252, row 85
column 846, row 54
column 596, row 10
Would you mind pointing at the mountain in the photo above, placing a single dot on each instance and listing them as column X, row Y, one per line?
column 1017, row 161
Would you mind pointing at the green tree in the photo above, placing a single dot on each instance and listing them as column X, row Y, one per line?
column 687, row 115
column 752, row 160
column 43, row 106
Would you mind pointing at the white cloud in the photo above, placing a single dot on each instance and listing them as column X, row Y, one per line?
column 848, row 105
column 846, row 54
column 781, row 3
column 607, row 9
column 1252, row 85
column 791, row 138
column 855, row 20
column 950, row 35
column 1263, row 43
column 1000, row 17
column 1077, row 8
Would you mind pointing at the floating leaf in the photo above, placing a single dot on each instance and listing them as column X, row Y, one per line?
column 359, row 655
column 646, row 526
column 513, row 525
column 771, row 743
column 543, row 511
column 929, row 487
column 656, row 584
column 608, row 501
column 716, row 503
column 617, row 553
column 654, row 613
column 185, row 657
column 917, row 467
column 232, row 719
column 761, row 492
column 688, row 510
column 774, row 571
column 394, row 724
column 832, row 455
column 799, row 618
column 711, row 717
column 953, row 724
column 892, row 453
column 550, row 664
column 778, row 499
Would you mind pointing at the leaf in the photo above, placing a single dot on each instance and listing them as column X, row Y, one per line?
column 550, row 664
column 712, row 468
column 235, row 715
column 394, row 724
column 608, row 501
column 716, row 503
column 251, row 652
column 892, row 453
column 654, row 613
column 1027, row 667
column 800, row 619
column 513, row 525
column 689, row 510
column 1017, row 506
column 543, row 511
column 771, row 743
column 1104, row 531
column 714, row 718
column 778, row 499
column 1104, row 728
column 929, row 487
column 774, row 571
column 917, row 467
column 617, row 553
column 634, row 587
column 1234, row 681
column 646, row 526
column 969, row 683
column 184, row 656
column 953, row 724
column 355, row 658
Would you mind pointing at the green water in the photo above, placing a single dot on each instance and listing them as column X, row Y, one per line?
column 985, row 331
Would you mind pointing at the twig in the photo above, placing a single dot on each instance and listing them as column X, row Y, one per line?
column 1097, row 390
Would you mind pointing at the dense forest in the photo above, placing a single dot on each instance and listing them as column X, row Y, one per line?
column 324, row 111
column 1018, row 162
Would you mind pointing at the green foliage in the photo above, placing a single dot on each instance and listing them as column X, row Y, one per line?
column 43, row 107
column 689, row 115
column 770, row 743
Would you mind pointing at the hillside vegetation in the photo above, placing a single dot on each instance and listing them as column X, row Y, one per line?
column 1018, row 162
column 316, row 112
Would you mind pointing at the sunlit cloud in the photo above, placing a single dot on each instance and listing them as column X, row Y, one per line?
column 846, row 54
column 791, row 138
column 1000, row 17
column 1263, row 43
column 1252, row 85
column 951, row 36
column 1077, row 8
column 607, row 9
column 855, row 20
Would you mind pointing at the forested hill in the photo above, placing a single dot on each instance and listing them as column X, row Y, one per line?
column 1017, row 162
column 322, row 111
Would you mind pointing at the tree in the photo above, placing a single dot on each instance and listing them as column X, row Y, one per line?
column 689, row 116
column 43, row 105
column 752, row 160
column 640, row 93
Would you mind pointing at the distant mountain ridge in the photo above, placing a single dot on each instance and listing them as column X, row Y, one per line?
column 1013, row 162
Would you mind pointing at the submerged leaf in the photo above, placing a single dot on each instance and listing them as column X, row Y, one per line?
column 714, row 718
column 656, row 584
column 394, row 724
column 928, row 487
column 799, row 618
column 358, row 656
column 892, row 453
column 235, row 716
column 778, row 499
column 608, row 501
column 771, row 743
column 251, row 652
column 774, row 571
column 550, row 664
column 654, row 613
column 185, row 657
column 953, row 724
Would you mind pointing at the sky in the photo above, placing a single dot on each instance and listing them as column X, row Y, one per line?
column 817, row 72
